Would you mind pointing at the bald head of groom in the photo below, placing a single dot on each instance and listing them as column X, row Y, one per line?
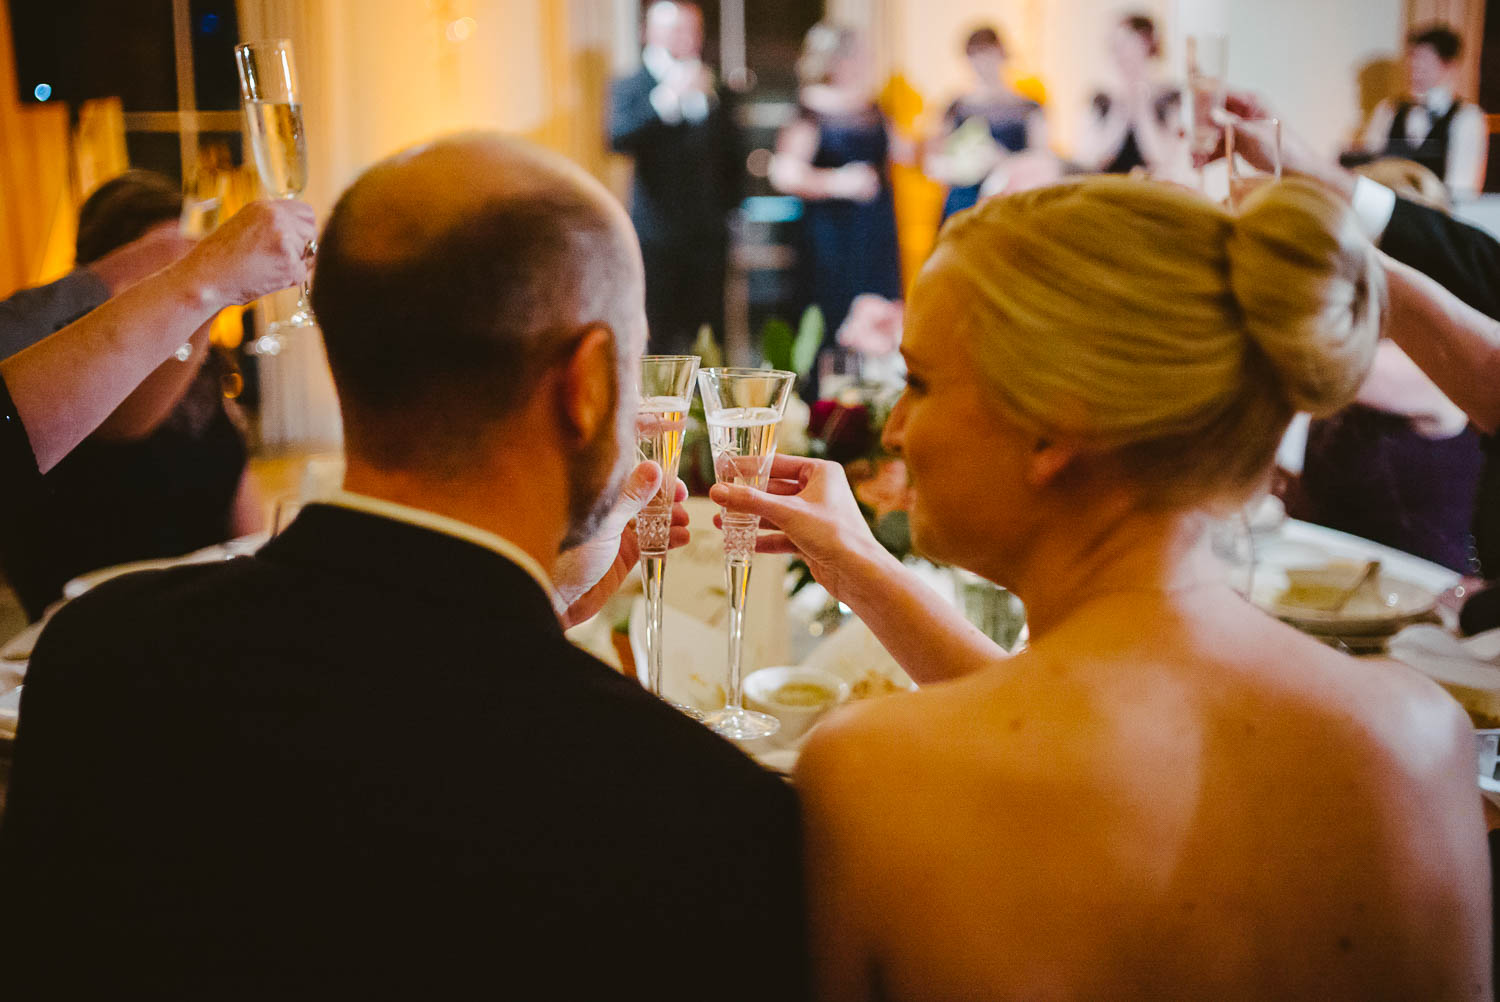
column 482, row 304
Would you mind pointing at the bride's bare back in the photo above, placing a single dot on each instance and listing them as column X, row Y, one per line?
column 1162, row 799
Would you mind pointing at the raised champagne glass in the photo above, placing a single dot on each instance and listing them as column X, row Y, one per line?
column 273, row 111
column 1208, row 74
column 666, row 397
column 744, row 408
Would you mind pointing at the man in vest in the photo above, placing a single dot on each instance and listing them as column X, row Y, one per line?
column 1433, row 127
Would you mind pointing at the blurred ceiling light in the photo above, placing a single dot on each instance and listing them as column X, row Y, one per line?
column 42, row 92
column 461, row 30
column 758, row 163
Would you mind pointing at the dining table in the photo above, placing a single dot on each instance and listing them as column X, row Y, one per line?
column 814, row 630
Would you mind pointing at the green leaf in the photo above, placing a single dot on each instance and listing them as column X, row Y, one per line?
column 707, row 349
column 809, row 339
column 893, row 531
column 776, row 343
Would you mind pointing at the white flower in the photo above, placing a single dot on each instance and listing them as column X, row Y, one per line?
column 791, row 437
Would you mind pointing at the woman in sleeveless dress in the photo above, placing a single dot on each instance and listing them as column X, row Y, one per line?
column 1135, row 122
column 835, row 156
column 1012, row 123
column 1168, row 794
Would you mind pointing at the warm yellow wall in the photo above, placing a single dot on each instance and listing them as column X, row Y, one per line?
column 380, row 75
column 36, row 202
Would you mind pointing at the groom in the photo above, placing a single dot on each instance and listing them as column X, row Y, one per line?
column 366, row 762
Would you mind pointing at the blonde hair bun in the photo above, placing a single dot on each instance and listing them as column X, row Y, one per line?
column 1311, row 291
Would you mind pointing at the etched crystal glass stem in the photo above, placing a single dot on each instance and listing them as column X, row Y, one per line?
column 661, row 420
column 739, row 549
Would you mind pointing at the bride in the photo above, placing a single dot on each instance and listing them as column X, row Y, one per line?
column 1168, row 794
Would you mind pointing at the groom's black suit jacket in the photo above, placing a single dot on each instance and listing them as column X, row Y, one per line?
column 366, row 763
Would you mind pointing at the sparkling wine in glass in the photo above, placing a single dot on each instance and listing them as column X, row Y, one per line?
column 1239, row 133
column 273, row 111
column 1207, row 71
column 744, row 408
column 661, row 419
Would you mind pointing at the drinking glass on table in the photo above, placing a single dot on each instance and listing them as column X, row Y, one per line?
column 1208, row 71
column 666, row 397
column 744, row 408
column 273, row 110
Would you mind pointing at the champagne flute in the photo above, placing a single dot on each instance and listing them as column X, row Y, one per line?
column 744, row 408
column 1243, row 179
column 1208, row 73
column 666, row 397
column 273, row 109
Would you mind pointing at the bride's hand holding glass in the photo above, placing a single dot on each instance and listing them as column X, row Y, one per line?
column 813, row 514
column 811, row 508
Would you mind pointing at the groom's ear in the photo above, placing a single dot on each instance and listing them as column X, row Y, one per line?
column 589, row 384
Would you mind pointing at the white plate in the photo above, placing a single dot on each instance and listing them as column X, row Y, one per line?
column 1374, row 612
column 10, row 712
column 241, row 547
column 1486, row 744
column 1454, row 664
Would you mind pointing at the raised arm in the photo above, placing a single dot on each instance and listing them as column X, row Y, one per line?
column 66, row 385
column 1454, row 344
column 31, row 314
column 814, row 515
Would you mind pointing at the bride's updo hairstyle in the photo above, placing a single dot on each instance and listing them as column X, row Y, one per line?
column 1152, row 325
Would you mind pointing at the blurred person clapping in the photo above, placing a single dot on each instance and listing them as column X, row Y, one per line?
column 170, row 463
column 1132, row 121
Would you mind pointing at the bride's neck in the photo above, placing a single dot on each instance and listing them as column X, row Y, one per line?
column 1119, row 553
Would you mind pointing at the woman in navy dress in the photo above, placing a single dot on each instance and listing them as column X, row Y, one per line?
column 1013, row 123
column 835, row 157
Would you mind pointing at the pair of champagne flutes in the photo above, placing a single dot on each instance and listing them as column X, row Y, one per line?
column 744, row 409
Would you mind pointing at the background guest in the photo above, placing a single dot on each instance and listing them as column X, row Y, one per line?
column 1432, row 125
column 983, row 126
column 672, row 118
column 169, row 464
column 1134, row 121
column 1400, row 465
column 1455, row 348
column 835, row 157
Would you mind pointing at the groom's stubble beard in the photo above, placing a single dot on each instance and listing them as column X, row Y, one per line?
column 596, row 472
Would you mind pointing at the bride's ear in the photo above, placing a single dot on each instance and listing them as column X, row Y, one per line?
column 1048, row 459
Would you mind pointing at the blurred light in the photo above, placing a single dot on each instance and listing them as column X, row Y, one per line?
column 42, row 92
column 461, row 30
column 208, row 24
column 758, row 163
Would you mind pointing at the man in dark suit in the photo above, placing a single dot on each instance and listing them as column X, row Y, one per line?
column 366, row 762
column 673, row 120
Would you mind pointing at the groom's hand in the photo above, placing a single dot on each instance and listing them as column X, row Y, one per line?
column 587, row 575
